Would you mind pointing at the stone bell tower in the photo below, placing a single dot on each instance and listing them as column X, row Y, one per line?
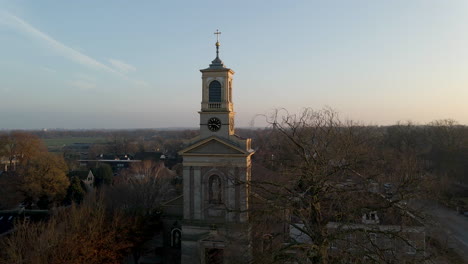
column 217, row 168
column 217, row 110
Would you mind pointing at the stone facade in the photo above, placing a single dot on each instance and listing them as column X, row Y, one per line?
column 217, row 166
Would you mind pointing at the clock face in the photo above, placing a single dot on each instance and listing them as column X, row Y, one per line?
column 214, row 124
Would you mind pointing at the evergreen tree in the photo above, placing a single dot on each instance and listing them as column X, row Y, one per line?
column 103, row 174
column 75, row 192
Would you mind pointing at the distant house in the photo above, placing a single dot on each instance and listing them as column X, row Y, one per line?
column 88, row 180
column 150, row 155
column 6, row 165
column 364, row 221
column 391, row 231
column 122, row 161
column 117, row 162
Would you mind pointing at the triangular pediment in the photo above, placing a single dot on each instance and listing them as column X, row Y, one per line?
column 213, row 145
column 176, row 201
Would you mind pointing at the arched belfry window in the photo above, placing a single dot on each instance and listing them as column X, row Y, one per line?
column 215, row 92
column 215, row 191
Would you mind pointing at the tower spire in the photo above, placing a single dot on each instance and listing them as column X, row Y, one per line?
column 217, row 33
column 217, row 62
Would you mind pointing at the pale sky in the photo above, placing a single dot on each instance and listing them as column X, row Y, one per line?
column 135, row 64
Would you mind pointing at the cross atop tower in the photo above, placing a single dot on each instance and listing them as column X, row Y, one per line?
column 217, row 43
column 217, row 63
column 217, row 35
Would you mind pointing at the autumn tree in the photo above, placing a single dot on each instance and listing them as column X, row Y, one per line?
column 10, row 196
column 37, row 176
column 20, row 146
column 79, row 234
column 43, row 179
column 98, row 230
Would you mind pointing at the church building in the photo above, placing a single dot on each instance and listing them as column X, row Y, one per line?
column 225, row 215
column 216, row 172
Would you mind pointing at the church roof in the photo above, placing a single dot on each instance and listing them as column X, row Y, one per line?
column 217, row 63
column 215, row 145
column 80, row 174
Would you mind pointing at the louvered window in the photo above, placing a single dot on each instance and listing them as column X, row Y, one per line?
column 215, row 92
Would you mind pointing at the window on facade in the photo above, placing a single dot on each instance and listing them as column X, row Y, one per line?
column 370, row 218
column 176, row 235
column 214, row 92
column 214, row 187
column 267, row 243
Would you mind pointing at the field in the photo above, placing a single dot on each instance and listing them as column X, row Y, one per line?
column 61, row 142
column 56, row 144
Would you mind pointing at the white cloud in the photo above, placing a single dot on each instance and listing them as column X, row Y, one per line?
column 59, row 47
column 68, row 52
column 122, row 66
column 82, row 84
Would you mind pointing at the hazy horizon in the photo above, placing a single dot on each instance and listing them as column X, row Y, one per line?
column 123, row 65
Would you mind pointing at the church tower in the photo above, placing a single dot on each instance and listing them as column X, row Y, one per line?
column 216, row 115
column 216, row 173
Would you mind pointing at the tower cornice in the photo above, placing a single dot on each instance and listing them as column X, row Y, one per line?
column 218, row 70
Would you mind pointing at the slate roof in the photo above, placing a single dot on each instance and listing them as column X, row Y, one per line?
column 153, row 155
column 6, row 223
column 82, row 175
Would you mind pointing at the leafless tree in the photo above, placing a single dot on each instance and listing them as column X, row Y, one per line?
column 141, row 188
column 340, row 189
